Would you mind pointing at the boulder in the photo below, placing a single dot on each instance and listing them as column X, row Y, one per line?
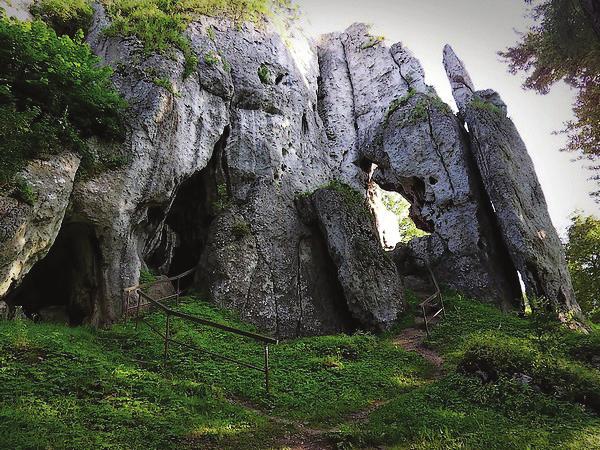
column 371, row 284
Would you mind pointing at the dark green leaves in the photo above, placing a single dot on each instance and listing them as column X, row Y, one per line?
column 53, row 96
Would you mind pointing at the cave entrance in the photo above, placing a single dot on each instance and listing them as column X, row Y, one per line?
column 185, row 228
column 66, row 283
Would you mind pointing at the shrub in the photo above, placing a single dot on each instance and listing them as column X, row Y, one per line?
column 583, row 250
column 160, row 24
column 497, row 356
column 264, row 74
column 53, row 96
column 65, row 16
column 481, row 104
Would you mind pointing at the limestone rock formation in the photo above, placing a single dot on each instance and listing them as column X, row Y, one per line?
column 215, row 165
column 371, row 283
column 420, row 151
column 515, row 193
column 27, row 232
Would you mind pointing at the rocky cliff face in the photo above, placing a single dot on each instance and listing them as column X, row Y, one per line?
column 216, row 167
column 514, row 191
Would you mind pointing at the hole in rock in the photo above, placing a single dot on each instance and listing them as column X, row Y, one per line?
column 393, row 217
column 67, row 280
column 279, row 78
column 304, row 124
column 186, row 225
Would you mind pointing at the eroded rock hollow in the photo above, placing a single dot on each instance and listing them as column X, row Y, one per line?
column 255, row 171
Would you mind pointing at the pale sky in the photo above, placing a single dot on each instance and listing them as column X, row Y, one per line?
column 476, row 29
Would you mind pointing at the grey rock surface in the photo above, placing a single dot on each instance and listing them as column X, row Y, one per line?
column 515, row 193
column 28, row 231
column 419, row 149
column 423, row 154
column 215, row 165
column 372, row 286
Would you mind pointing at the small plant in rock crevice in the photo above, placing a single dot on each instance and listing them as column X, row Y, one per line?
column 372, row 41
column 222, row 201
column 240, row 229
column 398, row 103
column 65, row 16
column 479, row 103
column 264, row 74
column 211, row 58
column 165, row 83
column 147, row 277
column 23, row 191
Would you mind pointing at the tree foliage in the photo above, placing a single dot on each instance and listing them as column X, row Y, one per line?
column 65, row 16
column 53, row 96
column 564, row 44
column 401, row 208
column 583, row 257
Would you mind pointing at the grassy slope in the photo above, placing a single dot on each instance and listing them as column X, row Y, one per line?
column 78, row 388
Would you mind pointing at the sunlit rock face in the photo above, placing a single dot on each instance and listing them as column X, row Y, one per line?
column 216, row 166
column 513, row 188
column 421, row 151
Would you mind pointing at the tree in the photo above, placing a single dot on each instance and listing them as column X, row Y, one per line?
column 54, row 95
column 564, row 44
column 583, row 258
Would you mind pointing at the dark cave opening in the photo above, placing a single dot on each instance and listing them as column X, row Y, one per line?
column 67, row 279
column 186, row 225
column 321, row 281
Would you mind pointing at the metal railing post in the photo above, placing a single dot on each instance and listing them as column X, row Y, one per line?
column 137, row 310
column 167, row 337
column 267, row 368
column 168, row 340
column 126, row 306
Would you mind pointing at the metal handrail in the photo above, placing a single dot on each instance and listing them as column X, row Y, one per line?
column 169, row 312
column 130, row 290
column 210, row 323
column 429, row 301
column 164, row 280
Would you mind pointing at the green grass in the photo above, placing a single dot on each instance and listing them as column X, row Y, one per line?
column 76, row 388
column 479, row 103
column 459, row 411
column 80, row 388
